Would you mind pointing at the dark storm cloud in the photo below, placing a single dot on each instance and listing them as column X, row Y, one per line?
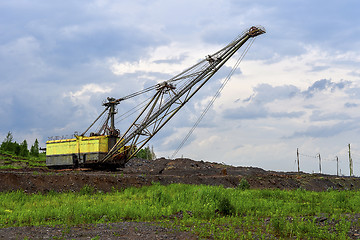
column 327, row 131
column 123, row 43
column 256, row 108
column 350, row 105
column 263, row 94
column 324, row 84
column 267, row 93
column 257, row 112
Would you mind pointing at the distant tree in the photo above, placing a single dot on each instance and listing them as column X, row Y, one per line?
column 9, row 137
column 34, row 150
column 146, row 153
column 11, row 146
column 24, row 151
column 4, row 144
column 8, row 144
column 16, row 148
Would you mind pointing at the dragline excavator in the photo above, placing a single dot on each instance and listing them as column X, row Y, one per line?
column 107, row 148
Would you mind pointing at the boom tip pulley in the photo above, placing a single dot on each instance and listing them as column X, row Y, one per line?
column 165, row 86
column 256, row 31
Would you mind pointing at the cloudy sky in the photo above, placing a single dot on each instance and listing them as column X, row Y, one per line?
column 297, row 87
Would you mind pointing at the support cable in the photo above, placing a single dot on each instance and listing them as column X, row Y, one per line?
column 94, row 121
column 132, row 111
column 214, row 98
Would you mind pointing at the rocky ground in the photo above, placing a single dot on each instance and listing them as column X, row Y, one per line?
column 139, row 172
column 123, row 230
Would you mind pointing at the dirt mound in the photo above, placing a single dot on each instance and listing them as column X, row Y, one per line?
column 140, row 172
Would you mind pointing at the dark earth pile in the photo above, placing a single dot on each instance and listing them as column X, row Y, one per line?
column 139, row 172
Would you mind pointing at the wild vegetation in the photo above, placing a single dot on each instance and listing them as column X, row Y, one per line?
column 12, row 147
column 14, row 155
column 207, row 211
column 146, row 153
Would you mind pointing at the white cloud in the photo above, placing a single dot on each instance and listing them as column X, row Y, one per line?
column 82, row 96
column 166, row 59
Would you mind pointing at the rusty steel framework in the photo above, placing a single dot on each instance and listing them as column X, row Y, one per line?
column 166, row 102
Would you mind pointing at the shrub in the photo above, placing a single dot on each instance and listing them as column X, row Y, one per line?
column 225, row 207
column 243, row 184
column 34, row 150
column 146, row 153
column 87, row 189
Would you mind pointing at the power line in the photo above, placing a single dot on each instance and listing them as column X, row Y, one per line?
column 334, row 159
column 317, row 156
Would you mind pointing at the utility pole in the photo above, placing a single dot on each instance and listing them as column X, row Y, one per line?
column 337, row 166
column 319, row 163
column 298, row 159
column 350, row 163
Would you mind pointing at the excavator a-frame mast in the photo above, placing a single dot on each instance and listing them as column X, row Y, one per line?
column 170, row 98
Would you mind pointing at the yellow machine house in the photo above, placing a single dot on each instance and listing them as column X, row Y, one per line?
column 89, row 151
column 76, row 151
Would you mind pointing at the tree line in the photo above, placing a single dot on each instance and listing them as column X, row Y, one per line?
column 146, row 153
column 19, row 149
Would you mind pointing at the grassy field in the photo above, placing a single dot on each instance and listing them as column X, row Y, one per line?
column 207, row 211
column 11, row 161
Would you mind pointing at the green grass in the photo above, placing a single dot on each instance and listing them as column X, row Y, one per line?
column 9, row 167
column 11, row 161
column 207, row 211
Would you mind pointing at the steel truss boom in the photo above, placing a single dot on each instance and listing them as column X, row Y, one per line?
column 169, row 99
